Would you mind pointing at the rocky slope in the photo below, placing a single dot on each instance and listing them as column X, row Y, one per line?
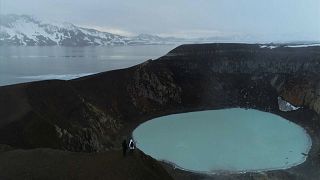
column 50, row 164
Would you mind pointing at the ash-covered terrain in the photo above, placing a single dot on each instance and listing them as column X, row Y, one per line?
column 94, row 113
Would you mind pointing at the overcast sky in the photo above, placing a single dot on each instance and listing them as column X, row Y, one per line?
column 271, row 19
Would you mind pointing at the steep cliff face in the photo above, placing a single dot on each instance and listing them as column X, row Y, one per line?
column 54, row 115
column 302, row 91
column 94, row 113
column 249, row 58
column 292, row 72
column 150, row 88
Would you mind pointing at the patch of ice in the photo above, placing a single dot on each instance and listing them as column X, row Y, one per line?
column 286, row 106
column 56, row 76
column 302, row 45
column 268, row 46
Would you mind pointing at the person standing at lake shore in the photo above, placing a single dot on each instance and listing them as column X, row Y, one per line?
column 131, row 145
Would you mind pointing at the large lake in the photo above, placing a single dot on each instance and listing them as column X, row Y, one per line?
column 232, row 140
column 24, row 64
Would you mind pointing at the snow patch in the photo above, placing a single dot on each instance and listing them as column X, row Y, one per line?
column 302, row 45
column 286, row 106
column 56, row 76
column 268, row 46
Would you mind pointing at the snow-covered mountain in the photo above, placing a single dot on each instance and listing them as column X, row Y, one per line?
column 23, row 30
column 152, row 39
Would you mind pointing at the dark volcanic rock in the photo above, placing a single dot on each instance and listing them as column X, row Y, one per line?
column 95, row 112
column 39, row 164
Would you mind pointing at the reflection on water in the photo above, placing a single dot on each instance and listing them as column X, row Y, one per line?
column 23, row 64
column 234, row 140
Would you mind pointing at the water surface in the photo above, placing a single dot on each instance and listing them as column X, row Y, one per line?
column 24, row 64
column 235, row 140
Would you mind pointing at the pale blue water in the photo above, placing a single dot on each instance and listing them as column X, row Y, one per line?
column 24, row 64
column 235, row 140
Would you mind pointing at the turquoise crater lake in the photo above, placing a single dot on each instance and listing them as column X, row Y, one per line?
column 227, row 140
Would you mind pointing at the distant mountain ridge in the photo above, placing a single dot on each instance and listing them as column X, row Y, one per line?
column 24, row 30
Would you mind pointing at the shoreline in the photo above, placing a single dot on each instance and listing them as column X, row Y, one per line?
column 308, row 164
